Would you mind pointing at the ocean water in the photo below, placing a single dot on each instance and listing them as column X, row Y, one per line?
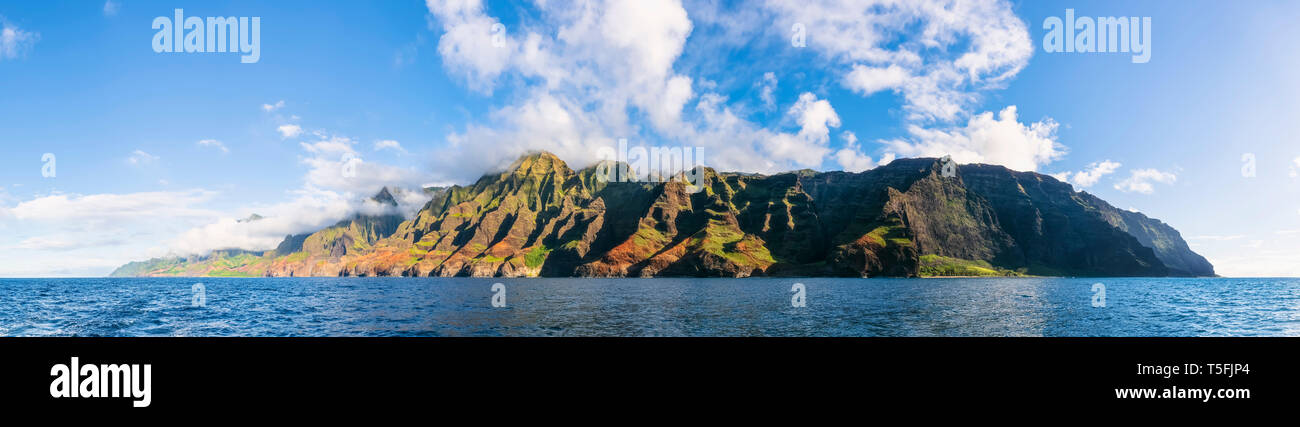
column 649, row 307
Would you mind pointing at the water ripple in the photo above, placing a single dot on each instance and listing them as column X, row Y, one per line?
column 655, row 307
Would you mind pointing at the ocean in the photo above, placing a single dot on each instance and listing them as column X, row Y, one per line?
column 394, row 306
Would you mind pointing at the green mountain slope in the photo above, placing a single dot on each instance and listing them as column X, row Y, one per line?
column 541, row 218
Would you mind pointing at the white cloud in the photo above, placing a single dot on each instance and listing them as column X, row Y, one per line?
column 89, row 235
column 937, row 54
column 767, row 87
column 1140, row 181
column 814, row 116
column 389, row 144
column 308, row 212
column 45, row 243
column 851, row 158
column 15, row 42
column 555, row 123
column 1090, row 175
column 467, row 46
column 141, row 158
column 336, row 145
column 65, row 242
column 80, row 229
column 97, row 208
column 867, row 80
column 272, row 107
column 338, row 184
column 1002, row 140
column 588, row 66
column 214, row 144
column 732, row 143
column 806, row 148
column 592, row 72
column 289, row 131
column 177, row 218
column 111, row 7
column 621, row 52
column 336, row 165
column 542, row 121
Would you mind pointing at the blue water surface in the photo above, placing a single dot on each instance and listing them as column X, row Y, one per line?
column 649, row 307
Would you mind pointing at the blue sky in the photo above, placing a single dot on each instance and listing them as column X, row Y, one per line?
column 417, row 93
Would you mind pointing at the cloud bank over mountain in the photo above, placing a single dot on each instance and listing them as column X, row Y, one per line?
column 588, row 73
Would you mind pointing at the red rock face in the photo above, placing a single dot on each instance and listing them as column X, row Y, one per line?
column 541, row 218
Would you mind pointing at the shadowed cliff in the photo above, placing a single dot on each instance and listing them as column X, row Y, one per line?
column 905, row 219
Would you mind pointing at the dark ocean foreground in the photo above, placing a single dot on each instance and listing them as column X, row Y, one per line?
column 649, row 307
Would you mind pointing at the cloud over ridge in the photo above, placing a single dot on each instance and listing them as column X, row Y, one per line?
column 585, row 74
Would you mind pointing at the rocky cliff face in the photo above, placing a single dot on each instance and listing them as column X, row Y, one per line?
column 322, row 253
column 541, row 218
column 1167, row 243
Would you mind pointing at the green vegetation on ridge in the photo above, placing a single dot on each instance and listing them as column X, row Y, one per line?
column 542, row 218
column 935, row 265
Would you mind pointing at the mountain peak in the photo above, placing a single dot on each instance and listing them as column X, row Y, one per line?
column 384, row 197
column 538, row 163
column 542, row 218
column 251, row 218
column 539, row 154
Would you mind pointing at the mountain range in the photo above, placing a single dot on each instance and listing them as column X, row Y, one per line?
column 539, row 217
